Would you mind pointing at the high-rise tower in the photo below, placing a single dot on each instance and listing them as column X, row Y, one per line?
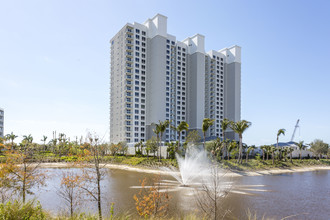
column 155, row 77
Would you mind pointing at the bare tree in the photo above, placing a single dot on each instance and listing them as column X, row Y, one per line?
column 70, row 191
column 212, row 194
column 93, row 172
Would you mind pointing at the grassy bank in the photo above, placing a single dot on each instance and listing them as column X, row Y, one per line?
column 257, row 165
column 120, row 160
column 153, row 162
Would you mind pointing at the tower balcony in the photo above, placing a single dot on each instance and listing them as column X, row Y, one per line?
column 129, row 48
column 129, row 37
column 129, row 66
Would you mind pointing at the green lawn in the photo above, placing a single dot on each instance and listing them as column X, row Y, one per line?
column 267, row 164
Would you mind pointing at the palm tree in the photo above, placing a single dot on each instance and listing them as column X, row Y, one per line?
column 159, row 130
column 11, row 137
column 163, row 126
column 301, row 147
column 268, row 150
column 239, row 127
column 216, row 147
column 232, row 145
column 28, row 138
column 290, row 150
column 251, row 148
column 273, row 149
column 156, row 130
column 224, row 126
column 61, row 137
column 226, row 142
column 44, row 138
column 279, row 132
column 285, row 152
column 263, row 148
column 207, row 122
column 183, row 126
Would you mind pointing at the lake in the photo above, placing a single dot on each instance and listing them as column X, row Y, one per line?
column 304, row 195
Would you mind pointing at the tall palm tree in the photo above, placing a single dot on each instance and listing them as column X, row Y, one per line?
column 156, row 130
column 279, row 132
column 301, row 147
column 224, row 126
column 183, row 126
column 239, row 127
column 159, row 130
column 207, row 123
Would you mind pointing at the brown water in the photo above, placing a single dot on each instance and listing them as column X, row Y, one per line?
column 300, row 195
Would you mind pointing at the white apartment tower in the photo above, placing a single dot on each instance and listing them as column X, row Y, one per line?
column 155, row 78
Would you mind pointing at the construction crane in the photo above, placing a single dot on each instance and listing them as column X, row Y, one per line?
column 295, row 129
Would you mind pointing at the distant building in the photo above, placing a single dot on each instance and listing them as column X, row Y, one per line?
column 296, row 153
column 155, row 77
column 2, row 119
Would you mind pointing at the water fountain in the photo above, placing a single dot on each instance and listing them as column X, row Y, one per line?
column 196, row 172
column 193, row 167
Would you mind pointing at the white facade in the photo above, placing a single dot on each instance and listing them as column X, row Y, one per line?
column 2, row 119
column 155, row 78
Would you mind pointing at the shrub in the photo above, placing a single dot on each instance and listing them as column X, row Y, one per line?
column 19, row 211
column 69, row 158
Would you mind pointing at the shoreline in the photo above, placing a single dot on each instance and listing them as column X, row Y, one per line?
column 230, row 173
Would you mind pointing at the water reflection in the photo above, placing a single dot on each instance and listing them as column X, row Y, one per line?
column 306, row 195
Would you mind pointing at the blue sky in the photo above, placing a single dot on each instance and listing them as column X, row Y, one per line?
column 54, row 61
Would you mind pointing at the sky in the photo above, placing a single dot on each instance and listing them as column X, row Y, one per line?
column 55, row 61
